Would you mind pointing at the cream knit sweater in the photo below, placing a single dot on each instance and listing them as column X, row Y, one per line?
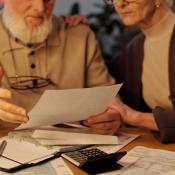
column 155, row 78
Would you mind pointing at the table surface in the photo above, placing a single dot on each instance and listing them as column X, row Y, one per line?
column 145, row 139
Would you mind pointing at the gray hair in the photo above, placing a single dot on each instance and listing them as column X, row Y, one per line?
column 170, row 2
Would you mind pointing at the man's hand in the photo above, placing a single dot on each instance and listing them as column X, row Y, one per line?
column 72, row 21
column 10, row 112
column 106, row 123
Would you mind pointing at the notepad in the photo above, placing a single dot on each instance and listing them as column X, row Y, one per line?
column 19, row 152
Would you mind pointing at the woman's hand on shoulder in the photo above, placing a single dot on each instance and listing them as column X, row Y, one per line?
column 74, row 20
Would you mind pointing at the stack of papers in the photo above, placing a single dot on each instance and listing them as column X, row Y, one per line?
column 46, row 137
column 39, row 137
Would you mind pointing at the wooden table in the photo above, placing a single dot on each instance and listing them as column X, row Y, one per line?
column 146, row 139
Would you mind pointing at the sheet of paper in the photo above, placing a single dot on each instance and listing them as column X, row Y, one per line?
column 47, row 137
column 60, row 167
column 148, row 161
column 58, row 106
column 5, row 163
column 168, row 173
column 123, row 140
column 54, row 167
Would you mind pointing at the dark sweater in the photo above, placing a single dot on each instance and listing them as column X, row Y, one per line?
column 129, row 71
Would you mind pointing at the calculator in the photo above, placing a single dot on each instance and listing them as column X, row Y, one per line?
column 94, row 160
column 80, row 157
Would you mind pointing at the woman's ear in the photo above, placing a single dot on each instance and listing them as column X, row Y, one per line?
column 157, row 3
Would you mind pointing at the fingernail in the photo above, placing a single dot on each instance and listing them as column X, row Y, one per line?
column 22, row 111
column 25, row 119
column 89, row 121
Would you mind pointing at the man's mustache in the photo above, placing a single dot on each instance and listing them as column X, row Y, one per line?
column 40, row 15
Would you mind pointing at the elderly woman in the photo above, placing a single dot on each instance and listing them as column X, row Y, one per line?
column 147, row 68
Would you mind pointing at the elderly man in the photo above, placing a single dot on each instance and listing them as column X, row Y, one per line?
column 38, row 51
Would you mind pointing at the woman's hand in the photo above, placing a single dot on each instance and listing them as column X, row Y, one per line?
column 75, row 20
column 127, row 114
column 133, row 117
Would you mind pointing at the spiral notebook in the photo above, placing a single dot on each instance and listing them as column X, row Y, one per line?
column 19, row 153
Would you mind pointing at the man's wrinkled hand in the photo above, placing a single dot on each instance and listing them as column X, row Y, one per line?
column 105, row 123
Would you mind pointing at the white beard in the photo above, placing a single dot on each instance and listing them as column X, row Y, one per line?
column 18, row 29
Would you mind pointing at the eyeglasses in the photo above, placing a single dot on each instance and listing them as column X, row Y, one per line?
column 28, row 82
column 23, row 82
column 113, row 2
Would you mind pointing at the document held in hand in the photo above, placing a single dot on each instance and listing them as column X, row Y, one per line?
column 59, row 106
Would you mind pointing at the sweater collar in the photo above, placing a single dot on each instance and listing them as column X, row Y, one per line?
column 161, row 29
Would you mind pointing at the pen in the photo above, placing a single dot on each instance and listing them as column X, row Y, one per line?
column 2, row 146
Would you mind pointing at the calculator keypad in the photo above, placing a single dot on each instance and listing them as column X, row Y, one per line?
column 90, row 153
column 80, row 157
